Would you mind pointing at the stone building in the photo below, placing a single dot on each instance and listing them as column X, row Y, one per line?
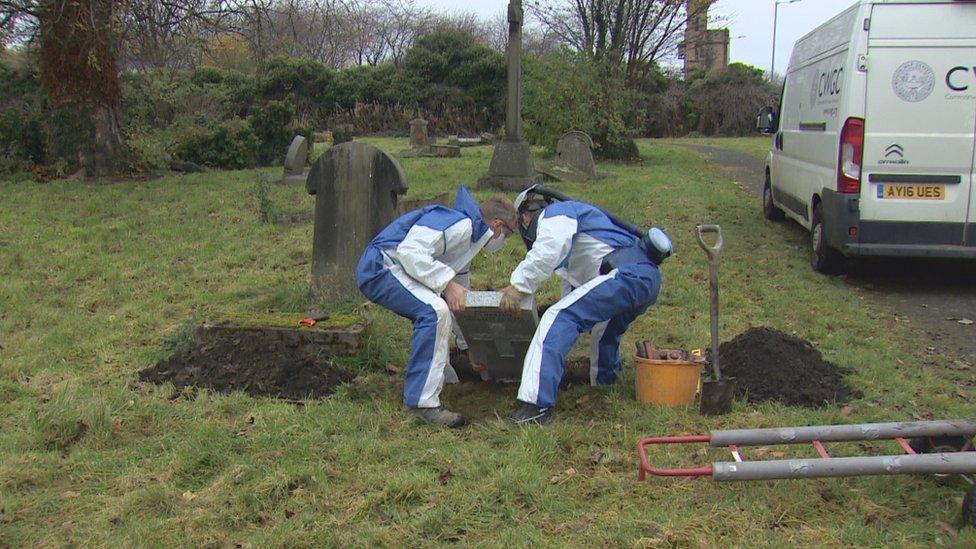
column 703, row 48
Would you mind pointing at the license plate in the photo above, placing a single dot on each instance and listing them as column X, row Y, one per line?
column 912, row 191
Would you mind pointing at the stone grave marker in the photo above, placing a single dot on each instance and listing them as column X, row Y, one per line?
column 295, row 162
column 422, row 145
column 356, row 188
column 511, row 166
column 574, row 159
column 496, row 339
column 418, row 133
column 575, row 150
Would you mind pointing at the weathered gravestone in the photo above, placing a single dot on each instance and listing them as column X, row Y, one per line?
column 418, row 133
column 356, row 187
column 574, row 159
column 495, row 339
column 511, row 165
column 295, row 160
column 422, row 145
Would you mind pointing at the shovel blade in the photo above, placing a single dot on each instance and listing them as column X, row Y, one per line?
column 716, row 396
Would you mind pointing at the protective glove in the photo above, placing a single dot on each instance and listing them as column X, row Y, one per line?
column 454, row 296
column 511, row 300
column 475, row 365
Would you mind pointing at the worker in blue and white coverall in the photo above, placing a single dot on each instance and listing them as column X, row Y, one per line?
column 417, row 267
column 574, row 239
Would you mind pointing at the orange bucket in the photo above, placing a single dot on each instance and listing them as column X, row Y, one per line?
column 667, row 382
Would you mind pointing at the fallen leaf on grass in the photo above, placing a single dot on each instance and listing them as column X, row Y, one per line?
column 563, row 477
column 444, row 476
column 70, row 494
column 583, row 399
column 189, row 496
column 846, row 411
column 298, row 492
column 947, row 528
column 391, row 369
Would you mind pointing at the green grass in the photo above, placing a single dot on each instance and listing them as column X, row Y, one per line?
column 99, row 281
column 755, row 146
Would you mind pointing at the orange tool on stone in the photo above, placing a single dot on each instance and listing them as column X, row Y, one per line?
column 312, row 318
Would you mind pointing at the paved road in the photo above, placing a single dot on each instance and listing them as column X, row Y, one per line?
column 933, row 295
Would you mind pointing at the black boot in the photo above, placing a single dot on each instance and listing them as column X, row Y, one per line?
column 530, row 413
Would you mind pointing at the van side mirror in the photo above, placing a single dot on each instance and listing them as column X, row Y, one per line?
column 766, row 120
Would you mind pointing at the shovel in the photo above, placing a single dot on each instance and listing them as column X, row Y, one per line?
column 716, row 395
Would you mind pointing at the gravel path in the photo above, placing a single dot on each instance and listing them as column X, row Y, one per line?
column 938, row 296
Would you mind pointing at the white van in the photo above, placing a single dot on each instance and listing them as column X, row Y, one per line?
column 874, row 141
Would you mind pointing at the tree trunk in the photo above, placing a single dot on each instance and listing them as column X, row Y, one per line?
column 108, row 140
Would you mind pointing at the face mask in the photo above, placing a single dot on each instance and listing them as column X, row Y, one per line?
column 495, row 244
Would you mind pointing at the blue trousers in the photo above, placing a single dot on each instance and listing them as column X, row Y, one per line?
column 384, row 282
column 606, row 305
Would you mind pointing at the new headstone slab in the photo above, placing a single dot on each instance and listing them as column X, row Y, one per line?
column 356, row 187
column 496, row 339
column 575, row 150
column 418, row 133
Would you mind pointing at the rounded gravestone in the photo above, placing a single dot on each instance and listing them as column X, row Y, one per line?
column 575, row 150
column 297, row 156
column 356, row 188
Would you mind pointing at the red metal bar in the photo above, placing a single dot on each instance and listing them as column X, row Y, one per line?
column 905, row 446
column 820, row 449
column 645, row 466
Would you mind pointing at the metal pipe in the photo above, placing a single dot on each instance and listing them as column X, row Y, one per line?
column 951, row 463
column 836, row 433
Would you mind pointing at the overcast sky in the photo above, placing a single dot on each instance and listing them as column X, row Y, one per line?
column 750, row 23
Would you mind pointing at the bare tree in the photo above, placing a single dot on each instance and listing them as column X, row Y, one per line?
column 164, row 33
column 632, row 33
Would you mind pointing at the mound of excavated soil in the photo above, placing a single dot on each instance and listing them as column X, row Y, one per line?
column 770, row 365
column 259, row 366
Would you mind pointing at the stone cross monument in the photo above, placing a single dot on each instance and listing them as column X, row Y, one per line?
column 511, row 163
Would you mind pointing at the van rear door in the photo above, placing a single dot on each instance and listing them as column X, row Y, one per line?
column 920, row 121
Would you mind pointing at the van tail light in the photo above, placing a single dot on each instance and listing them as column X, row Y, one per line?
column 851, row 153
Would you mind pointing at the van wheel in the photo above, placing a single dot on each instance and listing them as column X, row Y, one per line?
column 770, row 211
column 823, row 258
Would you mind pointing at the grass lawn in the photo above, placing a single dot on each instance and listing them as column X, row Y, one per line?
column 755, row 146
column 100, row 281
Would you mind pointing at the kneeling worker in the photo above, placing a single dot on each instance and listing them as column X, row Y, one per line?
column 413, row 267
column 612, row 276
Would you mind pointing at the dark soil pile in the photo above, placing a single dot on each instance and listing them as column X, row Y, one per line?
column 259, row 366
column 770, row 365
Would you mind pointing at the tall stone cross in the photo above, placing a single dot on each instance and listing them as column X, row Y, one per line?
column 513, row 106
column 511, row 165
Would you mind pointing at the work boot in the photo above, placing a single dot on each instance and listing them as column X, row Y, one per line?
column 530, row 413
column 439, row 416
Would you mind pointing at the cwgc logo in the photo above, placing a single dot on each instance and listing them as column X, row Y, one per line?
column 913, row 81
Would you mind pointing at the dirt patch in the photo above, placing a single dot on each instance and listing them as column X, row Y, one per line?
column 577, row 369
column 770, row 365
column 259, row 366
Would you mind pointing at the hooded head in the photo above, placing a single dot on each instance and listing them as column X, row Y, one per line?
column 529, row 220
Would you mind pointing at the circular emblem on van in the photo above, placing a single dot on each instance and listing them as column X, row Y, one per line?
column 913, row 81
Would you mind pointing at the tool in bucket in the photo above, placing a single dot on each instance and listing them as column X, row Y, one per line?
column 716, row 394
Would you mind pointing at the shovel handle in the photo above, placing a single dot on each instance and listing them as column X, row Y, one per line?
column 715, row 250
